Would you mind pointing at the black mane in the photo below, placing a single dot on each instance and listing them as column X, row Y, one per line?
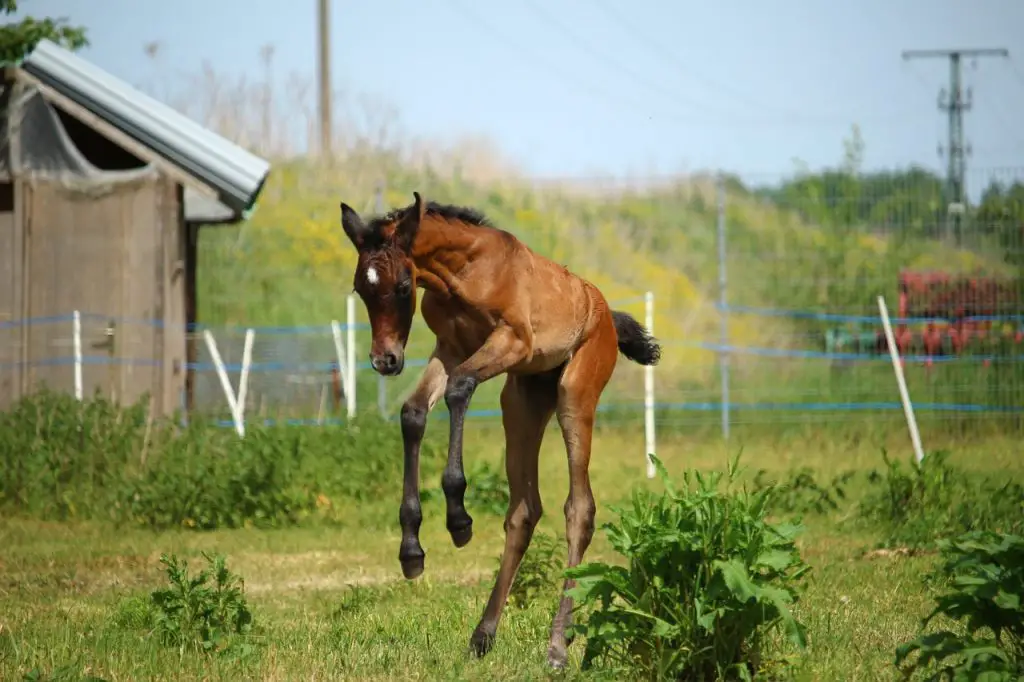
column 470, row 216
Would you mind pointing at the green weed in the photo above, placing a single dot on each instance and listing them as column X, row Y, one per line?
column 801, row 493
column 985, row 576
column 926, row 502
column 207, row 612
column 707, row 580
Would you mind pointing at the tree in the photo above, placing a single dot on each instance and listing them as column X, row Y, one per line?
column 19, row 38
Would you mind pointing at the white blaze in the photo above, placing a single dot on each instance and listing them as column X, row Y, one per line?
column 371, row 275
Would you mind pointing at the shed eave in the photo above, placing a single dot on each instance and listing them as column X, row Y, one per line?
column 237, row 175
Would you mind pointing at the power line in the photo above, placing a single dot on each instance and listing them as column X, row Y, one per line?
column 600, row 56
column 660, row 50
column 548, row 65
column 573, row 80
column 954, row 103
column 791, row 117
column 664, row 53
column 1014, row 71
column 999, row 115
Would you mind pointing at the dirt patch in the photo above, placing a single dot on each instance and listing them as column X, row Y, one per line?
column 893, row 552
column 84, row 576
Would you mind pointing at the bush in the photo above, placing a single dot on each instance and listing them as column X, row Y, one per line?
column 934, row 500
column 208, row 478
column 984, row 572
column 61, row 458
column 706, row 580
column 65, row 459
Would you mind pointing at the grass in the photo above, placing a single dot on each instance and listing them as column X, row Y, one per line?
column 329, row 601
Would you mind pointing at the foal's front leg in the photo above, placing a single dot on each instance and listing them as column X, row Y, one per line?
column 503, row 349
column 414, row 424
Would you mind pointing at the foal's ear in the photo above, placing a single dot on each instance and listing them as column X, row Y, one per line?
column 410, row 223
column 354, row 227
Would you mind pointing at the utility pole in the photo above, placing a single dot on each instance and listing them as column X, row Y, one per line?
column 954, row 102
column 324, row 71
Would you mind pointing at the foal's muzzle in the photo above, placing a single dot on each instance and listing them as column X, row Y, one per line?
column 389, row 363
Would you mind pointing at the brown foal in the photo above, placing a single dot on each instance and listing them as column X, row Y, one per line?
column 495, row 307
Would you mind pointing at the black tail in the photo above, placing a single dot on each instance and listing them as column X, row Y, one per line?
column 635, row 342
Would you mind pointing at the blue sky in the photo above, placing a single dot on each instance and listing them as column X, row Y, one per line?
column 583, row 87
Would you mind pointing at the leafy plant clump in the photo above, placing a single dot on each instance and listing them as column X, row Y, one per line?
column 926, row 502
column 706, row 580
column 207, row 612
column 984, row 572
column 801, row 493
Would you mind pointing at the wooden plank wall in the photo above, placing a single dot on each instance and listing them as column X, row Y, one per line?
column 10, row 297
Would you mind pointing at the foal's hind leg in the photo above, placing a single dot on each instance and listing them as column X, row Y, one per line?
column 578, row 393
column 526, row 406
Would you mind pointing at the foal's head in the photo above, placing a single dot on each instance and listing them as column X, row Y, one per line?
column 386, row 279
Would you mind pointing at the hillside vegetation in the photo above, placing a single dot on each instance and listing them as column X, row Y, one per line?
column 828, row 241
column 291, row 265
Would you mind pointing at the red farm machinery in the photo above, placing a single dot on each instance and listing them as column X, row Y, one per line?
column 943, row 315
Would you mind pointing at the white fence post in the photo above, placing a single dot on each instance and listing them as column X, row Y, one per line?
column 225, row 383
column 901, row 381
column 723, row 310
column 346, row 352
column 76, row 336
column 649, row 443
column 350, row 391
column 243, row 377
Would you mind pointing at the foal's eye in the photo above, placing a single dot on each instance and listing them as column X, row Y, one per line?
column 403, row 288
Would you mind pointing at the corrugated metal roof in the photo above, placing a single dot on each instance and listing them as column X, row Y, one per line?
column 236, row 174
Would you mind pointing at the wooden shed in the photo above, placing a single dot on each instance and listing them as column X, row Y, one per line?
column 102, row 193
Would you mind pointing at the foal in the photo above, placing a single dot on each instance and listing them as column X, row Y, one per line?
column 495, row 307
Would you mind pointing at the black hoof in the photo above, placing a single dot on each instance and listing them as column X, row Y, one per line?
column 480, row 643
column 461, row 529
column 462, row 536
column 412, row 565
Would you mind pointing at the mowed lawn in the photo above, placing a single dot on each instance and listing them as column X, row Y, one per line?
column 330, row 602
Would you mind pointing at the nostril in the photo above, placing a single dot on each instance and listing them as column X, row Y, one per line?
column 390, row 360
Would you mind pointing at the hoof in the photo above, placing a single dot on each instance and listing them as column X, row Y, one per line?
column 412, row 566
column 557, row 657
column 460, row 527
column 462, row 536
column 480, row 643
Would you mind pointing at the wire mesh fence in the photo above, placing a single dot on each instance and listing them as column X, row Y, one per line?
column 765, row 303
column 800, row 337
